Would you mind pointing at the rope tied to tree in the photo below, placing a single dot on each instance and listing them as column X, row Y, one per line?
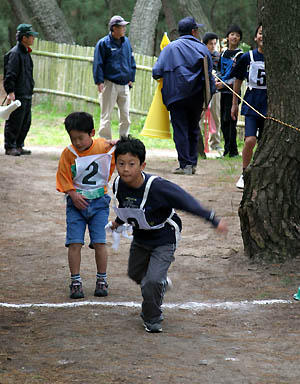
column 250, row 106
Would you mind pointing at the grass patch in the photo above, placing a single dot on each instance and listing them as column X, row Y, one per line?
column 47, row 129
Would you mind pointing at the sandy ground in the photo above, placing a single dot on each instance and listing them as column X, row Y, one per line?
column 227, row 320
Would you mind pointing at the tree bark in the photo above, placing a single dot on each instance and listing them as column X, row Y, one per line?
column 51, row 20
column 20, row 12
column 143, row 25
column 170, row 20
column 270, row 207
column 194, row 8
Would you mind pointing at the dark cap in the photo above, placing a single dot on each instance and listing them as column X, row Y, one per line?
column 117, row 20
column 186, row 25
column 26, row 29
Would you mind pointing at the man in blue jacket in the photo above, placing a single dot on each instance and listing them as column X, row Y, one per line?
column 114, row 71
column 180, row 64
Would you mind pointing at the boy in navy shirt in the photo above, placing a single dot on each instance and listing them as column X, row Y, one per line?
column 251, row 66
column 147, row 203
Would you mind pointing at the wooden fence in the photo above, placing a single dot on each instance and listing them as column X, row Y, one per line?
column 63, row 74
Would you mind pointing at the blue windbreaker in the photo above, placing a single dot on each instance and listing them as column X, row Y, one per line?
column 113, row 62
column 180, row 64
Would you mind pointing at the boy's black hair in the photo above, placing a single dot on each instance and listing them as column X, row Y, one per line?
column 257, row 28
column 79, row 121
column 209, row 36
column 234, row 28
column 131, row 145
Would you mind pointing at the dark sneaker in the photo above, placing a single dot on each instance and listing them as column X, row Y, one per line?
column 187, row 170
column 12, row 152
column 76, row 291
column 24, row 151
column 153, row 327
column 101, row 288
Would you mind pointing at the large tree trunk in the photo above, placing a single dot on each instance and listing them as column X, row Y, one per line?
column 19, row 11
column 194, row 8
column 270, row 208
column 143, row 25
column 170, row 20
column 51, row 20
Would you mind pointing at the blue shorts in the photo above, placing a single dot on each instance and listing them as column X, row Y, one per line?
column 254, row 126
column 95, row 216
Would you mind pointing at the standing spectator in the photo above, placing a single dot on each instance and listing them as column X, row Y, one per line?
column 210, row 40
column 227, row 60
column 18, row 84
column 180, row 64
column 251, row 66
column 114, row 72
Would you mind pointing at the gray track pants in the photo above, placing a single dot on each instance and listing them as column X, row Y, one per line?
column 148, row 266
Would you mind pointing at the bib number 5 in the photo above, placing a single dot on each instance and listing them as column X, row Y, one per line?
column 261, row 78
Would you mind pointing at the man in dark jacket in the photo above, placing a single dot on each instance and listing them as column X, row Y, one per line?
column 180, row 64
column 18, row 84
column 114, row 72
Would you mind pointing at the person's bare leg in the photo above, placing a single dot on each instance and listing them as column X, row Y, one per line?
column 74, row 257
column 249, row 145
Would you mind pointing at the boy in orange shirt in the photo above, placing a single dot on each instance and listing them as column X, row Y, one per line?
column 84, row 170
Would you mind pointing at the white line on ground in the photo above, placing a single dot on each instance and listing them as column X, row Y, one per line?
column 194, row 306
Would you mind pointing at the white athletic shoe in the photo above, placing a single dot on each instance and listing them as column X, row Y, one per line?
column 240, row 183
column 169, row 284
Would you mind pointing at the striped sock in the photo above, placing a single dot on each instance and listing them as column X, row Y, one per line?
column 76, row 277
column 102, row 276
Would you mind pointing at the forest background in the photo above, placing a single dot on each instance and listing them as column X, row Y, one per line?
column 87, row 20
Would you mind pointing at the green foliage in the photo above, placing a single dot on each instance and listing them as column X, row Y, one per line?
column 223, row 13
column 89, row 19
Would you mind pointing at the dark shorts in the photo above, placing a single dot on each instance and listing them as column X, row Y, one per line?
column 254, row 126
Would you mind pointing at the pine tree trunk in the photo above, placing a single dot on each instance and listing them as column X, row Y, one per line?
column 270, row 207
column 20, row 12
column 170, row 20
column 143, row 25
column 51, row 20
column 194, row 8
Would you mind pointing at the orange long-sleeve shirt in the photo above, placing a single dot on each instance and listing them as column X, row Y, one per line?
column 64, row 179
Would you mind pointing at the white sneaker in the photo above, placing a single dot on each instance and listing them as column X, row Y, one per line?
column 240, row 183
column 169, row 285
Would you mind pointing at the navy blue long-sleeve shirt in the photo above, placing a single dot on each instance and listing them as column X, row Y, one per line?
column 113, row 61
column 162, row 198
column 180, row 64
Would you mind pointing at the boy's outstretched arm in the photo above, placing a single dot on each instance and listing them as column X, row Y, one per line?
column 235, row 106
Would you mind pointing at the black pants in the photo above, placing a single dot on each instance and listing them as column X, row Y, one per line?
column 17, row 126
column 185, row 117
column 228, row 125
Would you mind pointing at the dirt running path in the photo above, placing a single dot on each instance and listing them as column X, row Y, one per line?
column 234, row 344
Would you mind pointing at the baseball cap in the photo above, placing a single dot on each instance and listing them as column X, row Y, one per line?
column 117, row 20
column 187, row 24
column 26, row 29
